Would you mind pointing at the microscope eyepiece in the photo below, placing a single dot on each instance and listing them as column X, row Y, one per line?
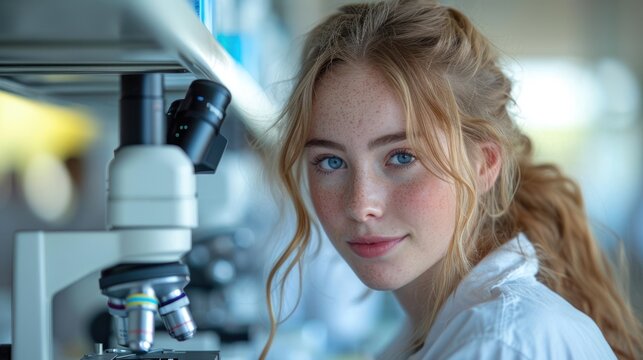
column 195, row 121
column 205, row 100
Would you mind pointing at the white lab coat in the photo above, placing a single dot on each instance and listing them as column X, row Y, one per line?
column 500, row 311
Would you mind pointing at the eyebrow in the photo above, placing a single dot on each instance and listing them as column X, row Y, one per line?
column 380, row 141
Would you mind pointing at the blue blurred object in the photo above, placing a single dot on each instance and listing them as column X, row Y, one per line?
column 232, row 42
column 203, row 10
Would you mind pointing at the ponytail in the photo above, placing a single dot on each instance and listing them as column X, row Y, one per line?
column 548, row 207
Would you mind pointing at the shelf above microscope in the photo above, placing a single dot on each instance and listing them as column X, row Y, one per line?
column 99, row 37
column 48, row 48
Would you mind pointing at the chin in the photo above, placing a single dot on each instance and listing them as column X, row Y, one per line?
column 378, row 280
column 380, row 285
column 378, row 275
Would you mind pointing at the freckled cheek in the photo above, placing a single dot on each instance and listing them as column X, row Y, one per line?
column 410, row 199
column 424, row 203
column 327, row 202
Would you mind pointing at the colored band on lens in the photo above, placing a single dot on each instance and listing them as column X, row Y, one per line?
column 168, row 302
column 142, row 300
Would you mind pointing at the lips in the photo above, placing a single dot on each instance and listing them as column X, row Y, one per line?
column 373, row 246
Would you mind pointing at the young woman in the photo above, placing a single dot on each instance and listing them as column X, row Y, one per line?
column 397, row 139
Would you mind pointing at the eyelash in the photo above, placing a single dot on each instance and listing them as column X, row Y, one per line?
column 402, row 152
column 318, row 159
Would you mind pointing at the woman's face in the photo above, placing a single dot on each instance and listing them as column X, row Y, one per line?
column 385, row 213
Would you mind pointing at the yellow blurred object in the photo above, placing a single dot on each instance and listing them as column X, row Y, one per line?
column 35, row 140
column 29, row 128
column 42, row 173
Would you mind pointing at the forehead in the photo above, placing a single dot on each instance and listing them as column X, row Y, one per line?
column 355, row 98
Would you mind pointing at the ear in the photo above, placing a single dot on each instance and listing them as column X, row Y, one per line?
column 488, row 165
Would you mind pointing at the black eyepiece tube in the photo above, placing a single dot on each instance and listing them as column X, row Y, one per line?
column 142, row 115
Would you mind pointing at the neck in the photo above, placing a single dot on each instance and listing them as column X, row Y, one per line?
column 416, row 297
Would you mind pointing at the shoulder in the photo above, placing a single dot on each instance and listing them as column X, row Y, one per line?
column 518, row 320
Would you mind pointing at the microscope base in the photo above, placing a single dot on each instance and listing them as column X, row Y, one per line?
column 111, row 354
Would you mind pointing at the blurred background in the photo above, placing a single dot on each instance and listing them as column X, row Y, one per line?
column 578, row 73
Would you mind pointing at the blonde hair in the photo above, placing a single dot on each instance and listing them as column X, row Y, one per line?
column 448, row 80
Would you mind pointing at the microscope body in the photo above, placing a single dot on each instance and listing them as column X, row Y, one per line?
column 160, row 195
column 151, row 209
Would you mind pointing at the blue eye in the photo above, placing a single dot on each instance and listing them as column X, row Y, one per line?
column 401, row 158
column 331, row 163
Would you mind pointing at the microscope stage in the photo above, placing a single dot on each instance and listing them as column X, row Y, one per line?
column 111, row 354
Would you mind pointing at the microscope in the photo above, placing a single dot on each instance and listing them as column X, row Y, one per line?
column 151, row 209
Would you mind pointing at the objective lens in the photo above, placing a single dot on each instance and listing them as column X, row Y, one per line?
column 141, row 307
column 177, row 317
column 179, row 324
column 116, row 308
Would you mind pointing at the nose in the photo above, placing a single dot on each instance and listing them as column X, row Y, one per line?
column 365, row 197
